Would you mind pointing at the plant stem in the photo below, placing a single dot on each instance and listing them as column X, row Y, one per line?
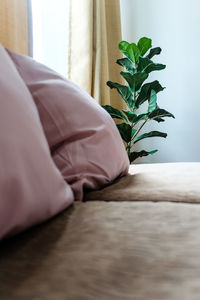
column 136, row 133
column 128, row 148
column 129, row 145
column 138, row 130
column 134, row 98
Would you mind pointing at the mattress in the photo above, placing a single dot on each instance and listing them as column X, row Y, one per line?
column 132, row 246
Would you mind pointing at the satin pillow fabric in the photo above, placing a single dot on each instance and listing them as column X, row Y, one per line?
column 32, row 189
column 84, row 141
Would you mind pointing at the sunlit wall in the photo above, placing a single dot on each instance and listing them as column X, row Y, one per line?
column 50, row 31
column 175, row 27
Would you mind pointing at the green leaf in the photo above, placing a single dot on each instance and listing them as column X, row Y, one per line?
column 146, row 92
column 152, row 101
column 150, row 134
column 124, row 91
column 127, row 64
column 154, row 67
column 130, row 50
column 160, row 113
column 134, row 81
column 146, row 65
column 135, row 154
column 125, row 131
column 159, row 120
column 133, row 52
column 129, row 79
column 138, row 79
column 144, row 44
column 154, row 51
column 133, row 131
column 115, row 113
column 134, row 118
column 123, row 46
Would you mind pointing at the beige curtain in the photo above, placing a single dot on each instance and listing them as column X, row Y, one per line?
column 14, row 25
column 94, row 34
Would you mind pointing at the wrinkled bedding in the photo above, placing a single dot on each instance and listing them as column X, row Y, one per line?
column 116, row 250
column 175, row 182
column 85, row 144
column 55, row 142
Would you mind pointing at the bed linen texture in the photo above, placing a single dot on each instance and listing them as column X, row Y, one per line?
column 31, row 187
column 84, row 141
column 107, row 250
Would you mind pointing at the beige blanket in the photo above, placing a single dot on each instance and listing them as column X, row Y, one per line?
column 174, row 182
column 113, row 250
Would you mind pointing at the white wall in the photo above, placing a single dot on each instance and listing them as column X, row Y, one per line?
column 174, row 25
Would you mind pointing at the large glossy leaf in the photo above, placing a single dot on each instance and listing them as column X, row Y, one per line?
column 160, row 113
column 133, row 52
column 125, row 131
column 150, row 134
column 129, row 79
column 123, row 46
column 124, row 91
column 133, row 131
column 159, row 120
column 134, row 81
column 146, row 92
column 146, row 65
column 139, row 78
column 135, row 154
column 115, row 113
column 130, row 50
column 154, row 51
column 152, row 101
column 127, row 64
column 144, row 44
column 134, row 118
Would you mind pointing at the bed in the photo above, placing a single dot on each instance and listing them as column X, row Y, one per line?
column 137, row 238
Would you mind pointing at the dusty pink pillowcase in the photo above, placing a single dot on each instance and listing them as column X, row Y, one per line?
column 31, row 187
column 84, row 141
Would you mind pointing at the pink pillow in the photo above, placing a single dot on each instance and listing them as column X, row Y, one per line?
column 84, row 141
column 31, row 187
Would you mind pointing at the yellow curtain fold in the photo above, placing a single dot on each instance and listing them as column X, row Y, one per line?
column 94, row 34
column 14, row 25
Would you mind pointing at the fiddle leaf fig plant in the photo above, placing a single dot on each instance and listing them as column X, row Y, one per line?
column 138, row 64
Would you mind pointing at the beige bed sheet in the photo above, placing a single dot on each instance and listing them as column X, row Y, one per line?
column 174, row 182
column 109, row 250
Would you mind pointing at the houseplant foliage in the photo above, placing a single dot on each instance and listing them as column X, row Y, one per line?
column 137, row 66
